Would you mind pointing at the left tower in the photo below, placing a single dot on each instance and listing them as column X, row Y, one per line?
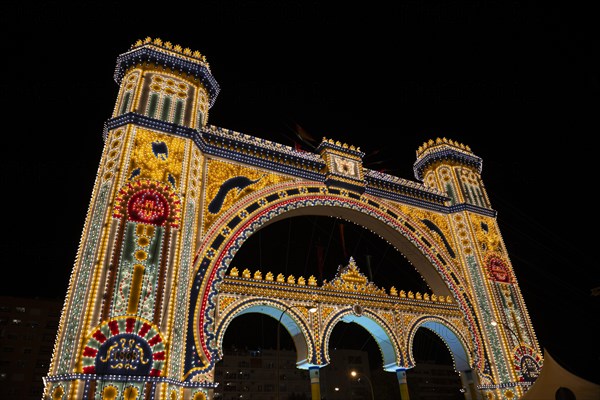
column 122, row 325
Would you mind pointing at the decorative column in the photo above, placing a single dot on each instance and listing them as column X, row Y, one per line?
column 315, row 383
column 401, row 375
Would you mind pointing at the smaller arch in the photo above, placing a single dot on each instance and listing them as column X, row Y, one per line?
column 292, row 320
column 377, row 328
column 452, row 339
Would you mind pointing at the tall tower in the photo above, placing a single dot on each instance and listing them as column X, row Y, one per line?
column 123, row 299
column 513, row 353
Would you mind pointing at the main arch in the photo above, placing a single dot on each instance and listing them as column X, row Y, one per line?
column 175, row 198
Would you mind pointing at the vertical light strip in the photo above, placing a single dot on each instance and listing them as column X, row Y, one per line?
column 136, row 288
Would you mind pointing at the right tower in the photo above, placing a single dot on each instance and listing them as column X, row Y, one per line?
column 515, row 359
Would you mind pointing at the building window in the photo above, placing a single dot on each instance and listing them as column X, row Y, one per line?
column 167, row 99
column 128, row 89
column 200, row 121
column 178, row 118
column 166, row 109
column 125, row 103
column 152, row 104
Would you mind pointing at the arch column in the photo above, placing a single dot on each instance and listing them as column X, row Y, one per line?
column 315, row 382
column 401, row 376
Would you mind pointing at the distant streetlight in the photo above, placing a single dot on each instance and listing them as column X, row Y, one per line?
column 358, row 378
column 312, row 309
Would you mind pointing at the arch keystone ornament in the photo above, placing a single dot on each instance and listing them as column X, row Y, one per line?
column 150, row 296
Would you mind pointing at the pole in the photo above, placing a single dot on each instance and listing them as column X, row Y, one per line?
column 277, row 353
column 355, row 374
column 370, row 386
column 315, row 384
column 401, row 376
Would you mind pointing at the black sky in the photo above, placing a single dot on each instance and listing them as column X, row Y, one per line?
column 516, row 81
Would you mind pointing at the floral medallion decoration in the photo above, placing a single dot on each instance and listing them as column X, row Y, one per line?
column 148, row 202
column 498, row 269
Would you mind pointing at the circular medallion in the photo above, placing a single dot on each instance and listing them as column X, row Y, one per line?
column 148, row 207
column 498, row 270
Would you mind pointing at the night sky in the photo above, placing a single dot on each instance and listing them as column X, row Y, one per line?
column 516, row 81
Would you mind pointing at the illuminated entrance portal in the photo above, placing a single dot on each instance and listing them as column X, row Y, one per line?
column 175, row 198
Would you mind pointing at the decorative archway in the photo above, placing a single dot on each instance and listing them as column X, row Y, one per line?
column 383, row 334
column 175, row 198
column 294, row 319
column 445, row 330
column 418, row 244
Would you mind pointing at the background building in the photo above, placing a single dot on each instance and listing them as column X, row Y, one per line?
column 27, row 332
column 434, row 381
column 251, row 374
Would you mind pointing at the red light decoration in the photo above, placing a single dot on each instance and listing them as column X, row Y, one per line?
column 498, row 270
column 148, row 207
column 148, row 202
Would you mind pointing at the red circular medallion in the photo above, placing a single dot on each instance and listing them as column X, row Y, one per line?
column 148, row 207
column 498, row 270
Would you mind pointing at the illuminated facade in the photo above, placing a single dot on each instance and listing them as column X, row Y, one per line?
column 149, row 298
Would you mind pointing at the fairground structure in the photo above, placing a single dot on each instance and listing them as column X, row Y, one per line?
column 152, row 293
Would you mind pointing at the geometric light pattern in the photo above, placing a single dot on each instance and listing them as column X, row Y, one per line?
column 148, row 202
column 125, row 345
